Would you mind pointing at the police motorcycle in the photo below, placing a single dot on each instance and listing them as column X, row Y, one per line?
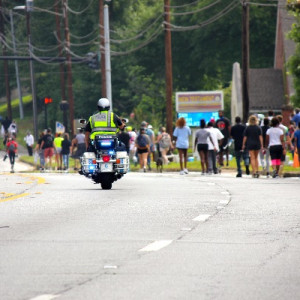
column 108, row 161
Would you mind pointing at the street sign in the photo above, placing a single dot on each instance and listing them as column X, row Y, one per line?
column 59, row 127
column 210, row 101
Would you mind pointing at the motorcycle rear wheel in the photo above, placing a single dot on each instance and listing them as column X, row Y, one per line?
column 106, row 185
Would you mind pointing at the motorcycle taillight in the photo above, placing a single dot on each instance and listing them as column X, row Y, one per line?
column 106, row 158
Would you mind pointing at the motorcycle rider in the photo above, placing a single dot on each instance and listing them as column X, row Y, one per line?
column 104, row 122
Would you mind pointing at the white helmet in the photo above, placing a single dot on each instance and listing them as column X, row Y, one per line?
column 103, row 104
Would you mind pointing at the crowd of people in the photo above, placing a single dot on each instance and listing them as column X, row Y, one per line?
column 262, row 141
column 59, row 148
column 48, row 149
column 262, row 138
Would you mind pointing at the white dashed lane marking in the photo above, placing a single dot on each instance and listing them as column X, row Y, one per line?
column 202, row 218
column 157, row 245
column 45, row 297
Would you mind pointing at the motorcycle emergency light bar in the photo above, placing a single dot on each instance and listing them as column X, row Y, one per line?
column 106, row 143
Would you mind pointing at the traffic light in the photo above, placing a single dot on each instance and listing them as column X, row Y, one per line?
column 92, row 60
column 47, row 100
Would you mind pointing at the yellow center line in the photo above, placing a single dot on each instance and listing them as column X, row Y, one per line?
column 40, row 180
column 14, row 197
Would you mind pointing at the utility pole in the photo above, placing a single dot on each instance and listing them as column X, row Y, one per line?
column 60, row 50
column 69, row 67
column 168, row 59
column 245, row 59
column 21, row 109
column 107, row 56
column 102, row 47
column 5, row 65
column 29, row 9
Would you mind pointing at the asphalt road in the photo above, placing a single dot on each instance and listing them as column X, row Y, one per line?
column 152, row 236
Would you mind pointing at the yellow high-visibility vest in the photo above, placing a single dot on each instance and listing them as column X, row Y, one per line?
column 102, row 123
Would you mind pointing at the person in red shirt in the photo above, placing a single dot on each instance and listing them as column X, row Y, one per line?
column 12, row 151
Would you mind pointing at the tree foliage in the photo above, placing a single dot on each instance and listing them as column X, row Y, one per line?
column 294, row 61
column 202, row 58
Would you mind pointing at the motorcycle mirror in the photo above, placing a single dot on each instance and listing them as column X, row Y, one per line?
column 125, row 120
column 82, row 121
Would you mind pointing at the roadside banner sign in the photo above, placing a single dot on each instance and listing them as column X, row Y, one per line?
column 59, row 127
column 209, row 101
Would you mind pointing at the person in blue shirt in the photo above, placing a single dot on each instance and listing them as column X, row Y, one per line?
column 296, row 117
column 181, row 134
column 297, row 142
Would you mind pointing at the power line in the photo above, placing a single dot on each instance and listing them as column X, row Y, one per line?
column 83, row 37
column 140, row 34
column 184, row 5
column 211, row 20
column 195, row 11
column 79, row 12
column 121, row 33
column 151, row 38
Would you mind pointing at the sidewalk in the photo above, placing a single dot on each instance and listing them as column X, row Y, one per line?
column 19, row 166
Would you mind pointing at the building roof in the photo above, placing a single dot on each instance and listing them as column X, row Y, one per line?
column 266, row 90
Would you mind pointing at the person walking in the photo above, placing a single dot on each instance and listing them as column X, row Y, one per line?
column 287, row 142
column 142, row 143
column 29, row 140
column 264, row 154
column 201, row 143
column 38, row 149
column 78, row 143
column 181, row 135
column 12, row 129
column 124, row 137
column 213, row 148
column 48, row 148
column 12, row 151
column 150, row 133
column 296, row 117
column 275, row 141
column 237, row 134
column 165, row 143
column 224, row 126
column 65, row 151
column 297, row 142
column 253, row 142
column 57, row 148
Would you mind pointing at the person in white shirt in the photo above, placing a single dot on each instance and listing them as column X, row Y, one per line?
column 29, row 142
column 217, row 137
column 287, row 142
column 275, row 142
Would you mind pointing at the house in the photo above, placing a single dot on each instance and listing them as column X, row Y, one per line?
column 269, row 89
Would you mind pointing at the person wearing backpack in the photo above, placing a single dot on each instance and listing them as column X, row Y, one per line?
column 142, row 143
column 165, row 144
column 12, row 150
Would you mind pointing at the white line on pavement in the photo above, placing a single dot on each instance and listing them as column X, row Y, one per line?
column 201, row 218
column 224, row 202
column 45, row 297
column 110, row 267
column 186, row 229
column 157, row 245
column 225, row 193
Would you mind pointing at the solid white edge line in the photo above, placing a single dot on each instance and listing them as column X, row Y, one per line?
column 45, row 297
column 157, row 245
column 202, row 218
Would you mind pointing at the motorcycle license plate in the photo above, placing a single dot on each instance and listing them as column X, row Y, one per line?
column 106, row 167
